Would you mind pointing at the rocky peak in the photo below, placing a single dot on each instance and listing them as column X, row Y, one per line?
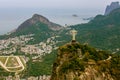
column 36, row 18
column 111, row 7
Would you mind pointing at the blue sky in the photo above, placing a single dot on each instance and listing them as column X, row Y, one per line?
column 14, row 12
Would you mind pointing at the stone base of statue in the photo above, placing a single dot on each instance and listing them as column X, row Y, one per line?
column 73, row 41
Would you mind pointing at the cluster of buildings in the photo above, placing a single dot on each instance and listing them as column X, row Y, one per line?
column 43, row 77
column 40, row 49
column 9, row 46
column 12, row 45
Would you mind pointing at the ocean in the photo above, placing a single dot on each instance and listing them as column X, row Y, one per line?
column 69, row 19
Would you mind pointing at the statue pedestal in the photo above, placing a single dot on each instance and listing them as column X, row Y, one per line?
column 73, row 41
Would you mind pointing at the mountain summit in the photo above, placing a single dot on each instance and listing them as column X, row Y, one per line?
column 82, row 62
column 37, row 25
column 111, row 7
column 36, row 18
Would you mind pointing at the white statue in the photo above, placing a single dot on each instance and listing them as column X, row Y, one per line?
column 73, row 32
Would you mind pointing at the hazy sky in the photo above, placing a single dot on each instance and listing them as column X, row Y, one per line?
column 55, row 3
column 14, row 12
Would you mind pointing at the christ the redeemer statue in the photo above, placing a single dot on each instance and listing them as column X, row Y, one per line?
column 73, row 33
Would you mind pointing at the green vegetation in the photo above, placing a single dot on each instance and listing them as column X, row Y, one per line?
column 44, row 67
column 74, row 58
column 15, row 69
column 103, row 32
column 40, row 30
column 11, row 62
column 3, row 59
column 4, row 73
column 115, row 66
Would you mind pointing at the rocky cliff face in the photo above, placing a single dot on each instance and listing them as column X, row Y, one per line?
column 39, row 18
column 111, row 7
column 81, row 62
